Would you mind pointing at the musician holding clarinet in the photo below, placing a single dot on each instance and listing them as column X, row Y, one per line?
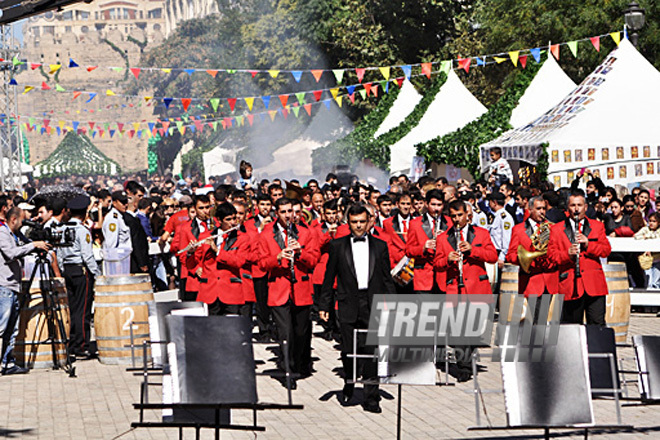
column 288, row 254
column 576, row 247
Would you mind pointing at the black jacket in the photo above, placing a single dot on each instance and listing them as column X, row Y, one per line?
column 140, row 254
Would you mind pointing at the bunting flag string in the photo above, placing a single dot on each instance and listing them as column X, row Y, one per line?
column 339, row 73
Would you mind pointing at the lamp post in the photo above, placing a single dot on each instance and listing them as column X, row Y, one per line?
column 635, row 19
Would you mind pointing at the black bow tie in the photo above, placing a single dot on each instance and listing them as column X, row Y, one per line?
column 357, row 239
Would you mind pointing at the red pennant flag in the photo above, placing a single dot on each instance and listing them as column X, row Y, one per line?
column 284, row 99
column 317, row 74
column 285, row 113
column 596, row 42
column 45, row 86
column 464, row 63
column 101, row 131
column 130, row 134
column 399, row 82
column 554, row 49
column 308, row 109
column 232, row 103
column 352, row 97
column 46, row 122
column 91, row 125
column 186, row 103
column 523, row 61
column 213, row 73
column 426, row 69
column 90, row 68
column 367, row 87
column 253, row 72
column 374, row 90
column 35, row 65
column 250, row 118
column 317, row 94
column 199, row 126
column 166, row 125
column 136, row 72
column 76, row 94
column 120, row 127
column 360, row 74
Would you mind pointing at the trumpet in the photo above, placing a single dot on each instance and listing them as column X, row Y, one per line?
column 195, row 244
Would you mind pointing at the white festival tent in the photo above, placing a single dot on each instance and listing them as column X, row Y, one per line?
column 219, row 161
column 452, row 108
column 403, row 105
column 608, row 124
column 549, row 86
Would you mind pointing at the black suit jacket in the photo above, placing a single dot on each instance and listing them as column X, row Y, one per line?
column 340, row 265
column 140, row 254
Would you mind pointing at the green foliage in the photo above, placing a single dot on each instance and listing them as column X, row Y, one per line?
column 542, row 163
column 121, row 53
column 461, row 147
column 138, row 43
column 76, row 154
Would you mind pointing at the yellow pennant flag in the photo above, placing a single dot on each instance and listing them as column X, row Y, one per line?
column 61, row 124
column 147, row 98
column 514, row 57
column 27, row 89
column 385, row 71
column 136, row 126
column 272, row 114
column 54, row 68
column 499, row 60
column 616, row 36
column 109, row 93
column 339, row 100
column 166, row 70
column 273, row 73
column 334, row 92
column 249, row 102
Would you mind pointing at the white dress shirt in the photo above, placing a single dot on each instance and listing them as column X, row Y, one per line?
column 361, row 261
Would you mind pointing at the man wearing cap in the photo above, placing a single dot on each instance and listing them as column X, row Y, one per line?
column 500, row 231
column 79, row 269
column 116, row 233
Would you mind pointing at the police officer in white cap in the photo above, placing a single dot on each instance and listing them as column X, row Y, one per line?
column 79, row 269
column 116, row 233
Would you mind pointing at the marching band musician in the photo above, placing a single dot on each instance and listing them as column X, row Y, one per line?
column 250, row 259
column 421, row 244
column 576, row 247
column 542, row 275
column 397, row 228
column 289, row 253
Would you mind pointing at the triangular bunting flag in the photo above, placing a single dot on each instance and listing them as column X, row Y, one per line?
column 189, row 72
column 367, row 89
column 166, row 70
column 500, row 60
column 136, row 72
column 616, row 36
column 554, row 49
column 232, row 103
column 296, row 111
column 334, row 92
column 16, row 62
column 136, row 126
column 90, row 68
column 167, row 102
column 374, row 90
column 148, row 98
column 300, row 96
column 120, row 127
column 523, row 61
column 166, row 125
column 407, row 70
column 464, row 63
column 514, row 55
column 44, row 86
column 284, row 99
column 385, row 71
column 118, row 70
column 213, row 73
column 266, row 101
column 481, row 61
column 91, row 125
column 317, row 75
column 112, row 133
column 250, row 103
column 214, row 103
column 339, row 75
column 360, row 73
column 426, row 69
column 363, row 94
column 297, row 74
column 350, row 90
column 399, row 81
column 596, row 43
column 273, row 73
column 253, row 73
column 272, row 114
column 54, row 68
column 339, row 101
column 445, row 66
column 573, row 46
column 250, row 118
column 75, row 125
column 385, row 85
column 109, row 93
column 308, row 109
column 317, row 94
column 59, row 88
column 186, row 103
column 536, row 53
column 35, row 65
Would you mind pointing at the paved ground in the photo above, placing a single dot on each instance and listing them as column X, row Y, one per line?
column 98, row 405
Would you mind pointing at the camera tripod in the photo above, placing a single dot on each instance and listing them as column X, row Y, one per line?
column 57, row 331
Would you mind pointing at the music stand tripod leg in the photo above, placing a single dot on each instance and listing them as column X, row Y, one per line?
column 398, row 413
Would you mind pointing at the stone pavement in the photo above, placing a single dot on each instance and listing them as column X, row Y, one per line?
column 98, row 405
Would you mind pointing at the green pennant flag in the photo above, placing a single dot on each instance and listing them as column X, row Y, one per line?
column 179, row 126
column 301, row 98
column 573, row 46
column 383, row 86
column 171, row 131
column 215, row 125
column 339, row 75
column 118, row 69
column 32, row 121
column 185, row 118
column 363, row 93
column 214, row 103
column 296, row 110
column 16, row 62
column 239, row 119
column 230, row 71
column 106, row 126
column 445, row 66
column 59, row 88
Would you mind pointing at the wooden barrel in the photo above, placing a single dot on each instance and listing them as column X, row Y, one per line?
column 121, row 301
column 33, row 349
column 617, row 311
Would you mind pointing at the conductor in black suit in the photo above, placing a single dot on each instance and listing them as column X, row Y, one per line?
column 361, row 264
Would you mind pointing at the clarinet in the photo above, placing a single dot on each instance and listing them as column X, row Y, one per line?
column 460, row 260
column 293, row 258
column 576, row 217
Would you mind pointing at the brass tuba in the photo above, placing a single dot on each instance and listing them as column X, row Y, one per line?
column 540, row 241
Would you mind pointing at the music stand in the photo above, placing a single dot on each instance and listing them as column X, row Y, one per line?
column 647, row 353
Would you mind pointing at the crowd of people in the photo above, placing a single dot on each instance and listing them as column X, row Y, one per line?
column 287, row 253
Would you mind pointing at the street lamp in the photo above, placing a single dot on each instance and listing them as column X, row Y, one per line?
column 635, row 19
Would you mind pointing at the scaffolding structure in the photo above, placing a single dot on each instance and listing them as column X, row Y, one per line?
column 11, row 144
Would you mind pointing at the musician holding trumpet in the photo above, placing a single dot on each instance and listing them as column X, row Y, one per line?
column 576, row 247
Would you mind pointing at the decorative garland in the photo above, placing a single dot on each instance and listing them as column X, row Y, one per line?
column 138, row 43
column 357, row 144
column 121, row 53
column 461, row 147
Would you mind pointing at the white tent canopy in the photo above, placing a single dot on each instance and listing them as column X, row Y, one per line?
column 219, row 161
column 549, row 86
column 402, row 106
column 452, row 108
column 609, row 124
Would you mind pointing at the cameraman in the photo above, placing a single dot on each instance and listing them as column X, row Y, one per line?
column 10, row 283
column 79, row 268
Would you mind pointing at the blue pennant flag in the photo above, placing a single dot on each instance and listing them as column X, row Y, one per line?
column 262, row 116
column 43, row 130
column 387, row 87
column 151, row 125
column 93, row 134
column 12, row 82
column 191, row 128
column 297, row 74
column 167, row 102
column 112, row 133
column 266, row 100
column 350, row 89
column 407, row 71
column 92, row 95
column 481, row 61
column 327, row 103
column 139, row 134
column 189, row 71
column 58, row 130
column 75, row 126
column 536, row 53
column 73, row 63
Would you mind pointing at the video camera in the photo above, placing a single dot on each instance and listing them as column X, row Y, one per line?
column 54, row 237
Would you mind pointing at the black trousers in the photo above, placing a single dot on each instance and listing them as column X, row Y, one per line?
column 218, row 308
column 262, row 311
column 575, row 310
column 80, row 291
column 294, row 325
column 367, row 368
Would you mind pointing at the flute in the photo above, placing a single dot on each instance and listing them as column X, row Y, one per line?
column 576, row 217
column 195, row 244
